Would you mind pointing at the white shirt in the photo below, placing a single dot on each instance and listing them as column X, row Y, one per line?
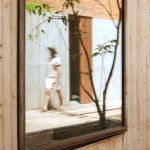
column 51, row 66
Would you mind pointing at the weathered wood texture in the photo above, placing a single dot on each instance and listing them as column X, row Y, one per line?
column 1, row 12
column 1, row 96
column 114, row 143
column 137, row 70
column 8, row 99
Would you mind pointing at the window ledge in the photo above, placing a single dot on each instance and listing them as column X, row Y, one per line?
column 61, row 139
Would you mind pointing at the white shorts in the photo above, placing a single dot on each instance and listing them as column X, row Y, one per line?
column 49, row 84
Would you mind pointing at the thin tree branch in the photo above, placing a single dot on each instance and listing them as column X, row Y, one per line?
column 89, row 66
column 62, row 35
column 113, row 65
column 87, row 56
column 43, row 23
column 118, row 6
column 110, row 15
column 87, row 92
column 37, row 26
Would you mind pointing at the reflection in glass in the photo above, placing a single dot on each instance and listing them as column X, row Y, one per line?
column 65, row 79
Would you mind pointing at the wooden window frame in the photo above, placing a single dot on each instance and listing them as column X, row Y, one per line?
column 66, row 143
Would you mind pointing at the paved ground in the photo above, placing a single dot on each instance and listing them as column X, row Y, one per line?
column 37, row 120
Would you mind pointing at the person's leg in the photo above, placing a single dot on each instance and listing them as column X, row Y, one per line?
column 60, row 96
column 47, row 99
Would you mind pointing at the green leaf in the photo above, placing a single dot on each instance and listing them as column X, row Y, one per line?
column 109, row 51
column 95, row 54
column 30, row 37
column 113, row 41
column 42, row 31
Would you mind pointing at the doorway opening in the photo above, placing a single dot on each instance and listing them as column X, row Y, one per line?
column 79, row 72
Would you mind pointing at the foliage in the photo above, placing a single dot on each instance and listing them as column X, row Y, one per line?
column 105, row 48
column 36, row 7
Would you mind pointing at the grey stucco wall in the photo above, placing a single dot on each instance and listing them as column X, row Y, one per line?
column 57, row 35
column 37, row 56
column 104, row 31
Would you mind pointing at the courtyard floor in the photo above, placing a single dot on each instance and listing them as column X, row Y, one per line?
column 36, row 120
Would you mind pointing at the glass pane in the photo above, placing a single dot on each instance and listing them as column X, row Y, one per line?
column 73, row 64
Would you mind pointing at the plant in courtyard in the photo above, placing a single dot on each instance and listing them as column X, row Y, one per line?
column 108, row 47
column 100, row 50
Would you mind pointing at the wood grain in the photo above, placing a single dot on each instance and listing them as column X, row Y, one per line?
column 1, row 82
column 114, row 143
column 137, row 72
column 1, row 130
column 1, row 111
column 13, row 66
column 7, row 76
column 1, row 33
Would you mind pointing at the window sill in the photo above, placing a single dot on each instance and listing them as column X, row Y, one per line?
column 68, row 138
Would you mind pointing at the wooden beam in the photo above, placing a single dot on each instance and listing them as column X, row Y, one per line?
column 21, row 75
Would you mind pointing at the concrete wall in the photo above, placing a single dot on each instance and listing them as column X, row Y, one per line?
column 56, row 34
column 104, row 31
column 37, row 56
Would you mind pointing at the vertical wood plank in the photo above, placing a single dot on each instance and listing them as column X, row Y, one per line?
column 141, row 76
column 1, row 130
column 116, row 144
column 134, row 76
column 1, row 98
column 126, row 139
column 104, row 145
column 6, row 76
column 144, row 46
column 148, row 79
column 1, row 83
column 1, row 16
column 13, row 72
column 147, row 30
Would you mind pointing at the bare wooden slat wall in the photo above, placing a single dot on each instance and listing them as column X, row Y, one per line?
column 1, row 96
column 8, row 99
column 1, row 12
column 137, row 71
column 1, row 78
